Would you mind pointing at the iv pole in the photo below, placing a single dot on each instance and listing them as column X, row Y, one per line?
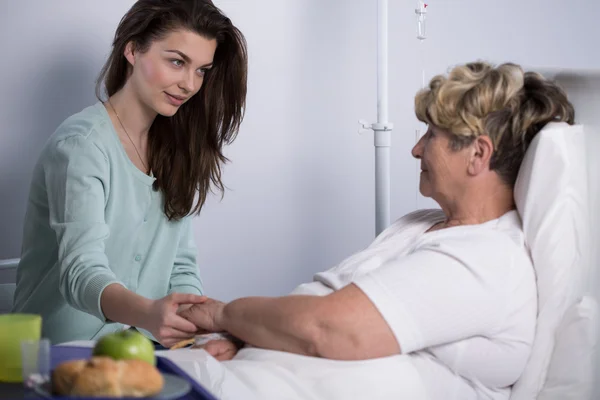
column 383, row 128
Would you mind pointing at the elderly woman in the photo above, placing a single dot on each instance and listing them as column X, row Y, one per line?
column 446, row 296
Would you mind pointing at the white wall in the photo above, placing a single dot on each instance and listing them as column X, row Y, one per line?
column 301, row 178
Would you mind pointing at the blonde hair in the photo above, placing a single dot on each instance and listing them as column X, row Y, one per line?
column 505, row 103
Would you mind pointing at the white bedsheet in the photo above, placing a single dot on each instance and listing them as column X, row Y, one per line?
column 265, row 374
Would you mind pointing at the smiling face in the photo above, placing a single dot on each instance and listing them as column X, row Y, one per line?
column 444, row 171
column 171, row 71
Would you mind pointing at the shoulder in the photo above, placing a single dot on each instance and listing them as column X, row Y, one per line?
column 496, row 245
column 84, row 133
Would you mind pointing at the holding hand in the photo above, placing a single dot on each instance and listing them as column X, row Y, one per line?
column 205, row 314
column 163, row 322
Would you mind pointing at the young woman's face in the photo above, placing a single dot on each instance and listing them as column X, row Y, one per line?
column 171, row 71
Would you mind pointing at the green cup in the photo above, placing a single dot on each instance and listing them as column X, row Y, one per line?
column 13, row 329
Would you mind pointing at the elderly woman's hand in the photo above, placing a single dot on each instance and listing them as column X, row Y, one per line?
column 205, row 315
column 221, row 349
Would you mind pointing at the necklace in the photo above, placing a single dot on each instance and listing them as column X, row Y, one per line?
column 134, row 146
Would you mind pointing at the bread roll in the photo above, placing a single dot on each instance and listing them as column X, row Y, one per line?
column 105, row 377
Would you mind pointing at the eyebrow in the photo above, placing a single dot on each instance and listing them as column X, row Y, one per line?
column 186, row 58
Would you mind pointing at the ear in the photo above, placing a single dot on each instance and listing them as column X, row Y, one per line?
column 481, row 153
column 129, row 53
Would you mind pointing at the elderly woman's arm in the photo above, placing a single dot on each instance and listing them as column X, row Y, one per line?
column 344, row 325
column 441, row 293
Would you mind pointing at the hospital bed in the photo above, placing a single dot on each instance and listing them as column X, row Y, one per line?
column 564, row 359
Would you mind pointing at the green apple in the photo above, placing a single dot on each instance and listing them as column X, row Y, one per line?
column 126, row 345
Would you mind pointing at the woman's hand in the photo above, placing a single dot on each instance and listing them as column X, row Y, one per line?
column 221, row 349
column 163, row 322
column 205, row 314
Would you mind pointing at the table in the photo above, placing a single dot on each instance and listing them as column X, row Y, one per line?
column 60, row 354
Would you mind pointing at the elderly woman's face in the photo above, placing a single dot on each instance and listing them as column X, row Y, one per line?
column 443, row 171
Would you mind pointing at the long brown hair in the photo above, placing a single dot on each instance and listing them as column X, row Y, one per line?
column 185, row 150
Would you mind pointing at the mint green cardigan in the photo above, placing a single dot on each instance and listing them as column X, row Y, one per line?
column 93, row 219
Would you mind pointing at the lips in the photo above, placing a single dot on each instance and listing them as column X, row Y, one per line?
column 177, row 97
column 174, row 99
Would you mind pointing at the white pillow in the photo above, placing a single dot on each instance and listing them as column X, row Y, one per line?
column 570, row 374
column 552, row 198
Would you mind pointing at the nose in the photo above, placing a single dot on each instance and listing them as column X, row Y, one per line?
column 187, row 82
column 417, row 150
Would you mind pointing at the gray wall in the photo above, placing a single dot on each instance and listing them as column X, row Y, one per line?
column 300, row 183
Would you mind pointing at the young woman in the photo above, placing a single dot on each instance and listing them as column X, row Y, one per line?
column 107, row 239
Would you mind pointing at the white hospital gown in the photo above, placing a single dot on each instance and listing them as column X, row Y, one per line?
column 460, row 301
